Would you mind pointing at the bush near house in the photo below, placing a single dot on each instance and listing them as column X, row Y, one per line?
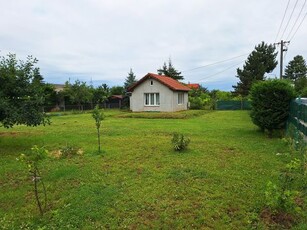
column 270, row 104
column 199, row 99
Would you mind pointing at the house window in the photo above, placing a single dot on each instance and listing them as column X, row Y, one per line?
column 151, row 82
column 180, row 98
column 152, row 99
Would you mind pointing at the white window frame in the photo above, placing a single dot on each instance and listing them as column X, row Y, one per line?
column 151, row 99
column 180, row 98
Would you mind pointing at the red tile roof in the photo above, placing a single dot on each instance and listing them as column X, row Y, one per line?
column 167, row 81
column 116, row 96
column 193, row 86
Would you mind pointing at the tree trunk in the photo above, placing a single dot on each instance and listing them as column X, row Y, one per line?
column 270, row 134
column 44, row 191
column 98, row 132
column 35, row 176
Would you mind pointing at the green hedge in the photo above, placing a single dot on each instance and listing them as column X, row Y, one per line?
column 271, row 104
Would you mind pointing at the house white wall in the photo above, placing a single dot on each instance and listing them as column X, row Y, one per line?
column 168, row 98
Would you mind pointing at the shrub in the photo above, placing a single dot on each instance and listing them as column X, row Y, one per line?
column 285, row 199
column 270, row 104
column 198, row 99
column 303, row 92
column 180, row 142
column 282, row 198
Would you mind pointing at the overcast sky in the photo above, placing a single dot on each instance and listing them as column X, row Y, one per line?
column 100, row 40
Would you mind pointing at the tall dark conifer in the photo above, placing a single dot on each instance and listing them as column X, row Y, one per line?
column 262, row 60
column 130, row 79
column 296, row 71
column 170, row 71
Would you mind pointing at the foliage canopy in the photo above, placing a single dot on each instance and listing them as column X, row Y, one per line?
column 78, row 93
column 296, row 71
column 270, row 104
column 101, row 94
column 198, row 99
column 130, row 80
column 117, row 90
column 170, row 71
column 22, row 92
column 262, row 60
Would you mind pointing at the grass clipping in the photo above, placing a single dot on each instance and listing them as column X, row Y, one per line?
column 67, row 151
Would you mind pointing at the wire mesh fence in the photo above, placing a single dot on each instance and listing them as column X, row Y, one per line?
column 83, row 107
column 233, row 105
column 297, row 121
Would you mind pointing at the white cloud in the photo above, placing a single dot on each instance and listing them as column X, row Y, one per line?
column 102, row 40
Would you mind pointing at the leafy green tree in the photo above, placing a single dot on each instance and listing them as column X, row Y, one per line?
column 262, row 60
column 170, row 71
column 296, row 71
column 51, row 98
column 221, row 95
column 130, row 80
column 78, row 93
column 198, row 99
column 117, row 90
column 303, row 93
column 101, row 93
column 22, row 93
column 271, row 104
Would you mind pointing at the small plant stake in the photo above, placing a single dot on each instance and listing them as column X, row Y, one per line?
column 98, row 116
column 32, row 159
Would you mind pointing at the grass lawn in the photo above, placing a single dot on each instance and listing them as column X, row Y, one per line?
column 139, row 181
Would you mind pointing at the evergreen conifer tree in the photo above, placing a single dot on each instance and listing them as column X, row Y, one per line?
column 262, row 60
column 170, row 71
column 296, row 71
column 130, row 79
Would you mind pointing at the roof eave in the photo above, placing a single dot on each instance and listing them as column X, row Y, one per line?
column 152, row 76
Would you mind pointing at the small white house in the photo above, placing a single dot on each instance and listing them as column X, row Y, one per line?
column 158, row 93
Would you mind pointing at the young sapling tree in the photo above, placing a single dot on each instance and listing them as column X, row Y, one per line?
column 32, row 160
column 98, row 115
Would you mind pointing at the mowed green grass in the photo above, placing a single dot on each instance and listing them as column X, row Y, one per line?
column 139, row 181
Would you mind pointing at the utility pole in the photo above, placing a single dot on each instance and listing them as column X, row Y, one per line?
column 282, row 49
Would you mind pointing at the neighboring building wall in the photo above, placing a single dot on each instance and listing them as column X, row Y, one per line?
column 168, row 98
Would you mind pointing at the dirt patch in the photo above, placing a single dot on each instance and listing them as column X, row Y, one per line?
column 14, row 134
column 10, row 134
column 281, row 219
column 229, row 150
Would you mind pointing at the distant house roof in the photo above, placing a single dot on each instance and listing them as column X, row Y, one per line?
column 58, row 87
column 116, row 97
column 193, row 86
column 167, row 81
